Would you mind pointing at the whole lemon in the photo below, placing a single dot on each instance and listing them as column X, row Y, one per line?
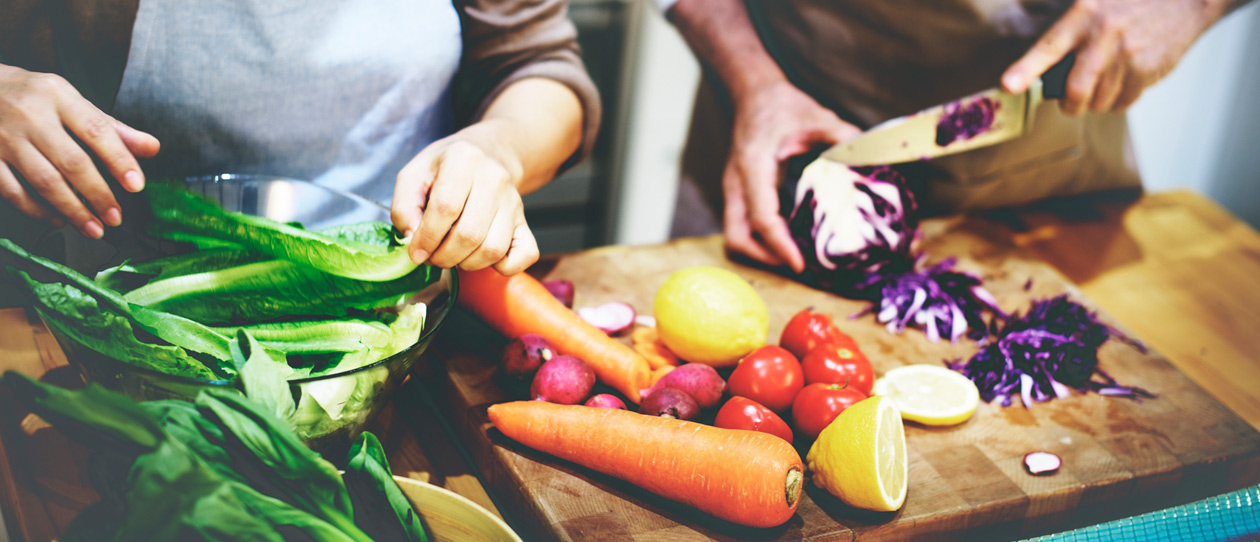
column 710, row 315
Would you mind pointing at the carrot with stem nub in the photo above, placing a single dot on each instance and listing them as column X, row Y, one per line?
column 520, row 304
column 745, row 477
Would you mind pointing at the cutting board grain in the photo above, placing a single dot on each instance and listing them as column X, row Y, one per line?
column 966, row 482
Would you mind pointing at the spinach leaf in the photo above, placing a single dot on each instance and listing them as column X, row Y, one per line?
column 380, row 507
column 45, row 270
column 178, row 210
column 93, row 415
column 272, row 289
column 129, row 275
column 265, row 451
column 264, row 377
column 77, row 316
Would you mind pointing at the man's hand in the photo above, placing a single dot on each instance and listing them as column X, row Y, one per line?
column 40, row 115
column 459, row 202
column 1122, row 47
column 772, row 124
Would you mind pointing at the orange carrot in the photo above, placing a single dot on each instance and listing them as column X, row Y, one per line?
column 646, row 342
column 746, row 477
column 520, row 304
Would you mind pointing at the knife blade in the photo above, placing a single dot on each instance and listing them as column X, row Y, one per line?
column 985, row 118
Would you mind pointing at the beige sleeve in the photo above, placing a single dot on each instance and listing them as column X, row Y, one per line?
column 509, row 40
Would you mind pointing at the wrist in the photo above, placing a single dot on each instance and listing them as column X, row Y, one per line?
column 495, row 138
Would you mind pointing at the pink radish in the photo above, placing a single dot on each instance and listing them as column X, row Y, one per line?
column 1042, row 463
column 523, row 356
column 670, row 403
column 698, row 380
column 605, row 400
column 561, row 289
column 611, row 318
column 564, row 379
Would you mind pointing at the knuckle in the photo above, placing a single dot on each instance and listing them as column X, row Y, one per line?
column 445, row 209
column 48, row 82
column 96, row 127
column 466, row 238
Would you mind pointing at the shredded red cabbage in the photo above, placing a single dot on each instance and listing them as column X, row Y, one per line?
column 965, row 121
column 1045, row 353
column 936, row 299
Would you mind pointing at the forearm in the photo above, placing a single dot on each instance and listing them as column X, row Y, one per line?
column 539, row 122
column 722, row 36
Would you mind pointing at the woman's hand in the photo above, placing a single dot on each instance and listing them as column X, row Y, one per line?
column 772, row 124
column 1122, row 47
column 458, row 201
column 460, row 198
column 40, row 117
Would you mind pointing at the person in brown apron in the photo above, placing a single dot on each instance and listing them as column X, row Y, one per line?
column 784, row 76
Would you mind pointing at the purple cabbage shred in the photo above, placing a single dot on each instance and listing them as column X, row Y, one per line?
column 940, row 301
column 1044, row 354
column 965, row 121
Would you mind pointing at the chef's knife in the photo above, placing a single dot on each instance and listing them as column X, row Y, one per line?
column 953, row 127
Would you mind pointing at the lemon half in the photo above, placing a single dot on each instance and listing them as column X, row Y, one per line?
column 861, row 456
column 930, row 394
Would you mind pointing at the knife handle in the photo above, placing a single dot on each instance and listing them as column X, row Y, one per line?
column 1054, row 81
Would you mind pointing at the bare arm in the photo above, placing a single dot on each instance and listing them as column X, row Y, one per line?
column 774, row 121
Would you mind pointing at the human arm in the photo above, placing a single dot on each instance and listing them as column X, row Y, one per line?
column 531, row 110
column 773, row 121
column 41, row 114
column 1122, row 47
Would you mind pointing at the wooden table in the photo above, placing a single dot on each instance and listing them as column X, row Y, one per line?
column 1174, row 269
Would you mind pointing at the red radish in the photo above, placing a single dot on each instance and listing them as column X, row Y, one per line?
column 561, row 289
column 524, row 354
column 612, row 318
column 702, row 382
column 564, row 379
column 605, row 400
column 670, row 403
column 1039, row 463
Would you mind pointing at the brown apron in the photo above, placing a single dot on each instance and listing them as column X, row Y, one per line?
column 871, row 60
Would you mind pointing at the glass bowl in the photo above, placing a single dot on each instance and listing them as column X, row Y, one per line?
column 331, row 409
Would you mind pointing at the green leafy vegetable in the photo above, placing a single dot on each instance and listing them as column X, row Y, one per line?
column 178, row 210
column 271, row 289
column 379, row 505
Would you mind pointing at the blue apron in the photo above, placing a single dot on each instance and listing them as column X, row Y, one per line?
column 343, row 93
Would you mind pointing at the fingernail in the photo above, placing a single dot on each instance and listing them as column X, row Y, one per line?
column 419, row 256
column 133, row 181
column 94, row 230
column 1009, row 81
column 113, row 217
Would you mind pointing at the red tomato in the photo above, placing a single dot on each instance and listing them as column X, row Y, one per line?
column 769, row 375
column 818, row 404
column 807, row 330
column 744, row 413
column 831, row 364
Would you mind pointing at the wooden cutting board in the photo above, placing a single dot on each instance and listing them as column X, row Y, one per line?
column 1120, row 457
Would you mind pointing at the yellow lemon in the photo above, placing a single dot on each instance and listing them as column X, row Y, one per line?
column 861, row 456
column 930, row 394
column 710, row 315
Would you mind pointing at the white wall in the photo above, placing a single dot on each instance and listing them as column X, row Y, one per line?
column 1199, row 128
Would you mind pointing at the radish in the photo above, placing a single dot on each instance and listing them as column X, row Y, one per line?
column 561, row 289
column 698, row 380
column 523, row 356
column 612, row 318
column 1039, row 463
column 605, row 400
column 670, row 403
column 564, row 379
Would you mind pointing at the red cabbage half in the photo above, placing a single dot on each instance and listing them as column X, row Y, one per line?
column 850, row 225
column 1045, row 353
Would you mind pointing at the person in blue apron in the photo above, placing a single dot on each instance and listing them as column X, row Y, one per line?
column 784, row 76
column 446, row 111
